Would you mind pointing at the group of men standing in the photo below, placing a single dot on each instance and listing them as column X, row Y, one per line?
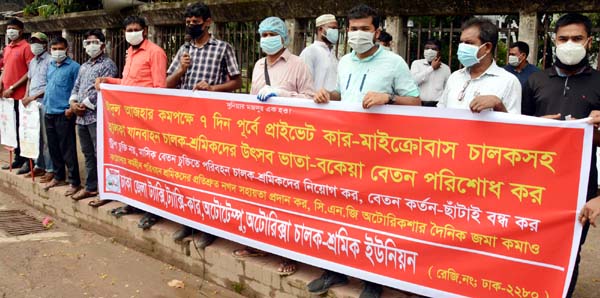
column 371, row 75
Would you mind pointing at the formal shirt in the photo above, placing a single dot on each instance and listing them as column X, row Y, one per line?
column 550, row 92
column 16, row 63
column 38, row 68
column 288, row 73
column 431, row 82
column 213, row 62
column 60, row 81
column 383, row 72
column 322, row 64
column 85, row 88
column 524, row 74
column 461, row 89
column 144, row 67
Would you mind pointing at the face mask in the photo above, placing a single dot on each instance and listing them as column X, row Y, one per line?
column 360, row 41
column 332, row 35
column 37, row 48
column 513, row 61
column 93, row 50
column 570, row 53
column 467, row 54
column 59, row 56
column 12, row 34
column 430, row 54
column 195, row 31
column 134, row 38
column 271, row 45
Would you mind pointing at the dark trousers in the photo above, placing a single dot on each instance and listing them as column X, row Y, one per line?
column 18, row 158
column 62, row 145
column 573, row 283
column 87, row 140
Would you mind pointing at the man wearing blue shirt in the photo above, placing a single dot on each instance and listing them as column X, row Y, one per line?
column 60, row 119
column 517, row 62
column 370, row 75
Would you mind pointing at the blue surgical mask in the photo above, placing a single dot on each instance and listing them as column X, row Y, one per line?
column 467, row 54
column 332, row 35
column 271, row 45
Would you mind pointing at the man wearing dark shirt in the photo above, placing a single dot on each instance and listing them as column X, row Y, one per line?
column 569, row 89
column 517, row 62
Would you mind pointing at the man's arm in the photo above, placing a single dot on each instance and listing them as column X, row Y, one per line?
column 420, row 72
column 232, row 84
column 178, row 68
column 158, row 61
column 8, row 92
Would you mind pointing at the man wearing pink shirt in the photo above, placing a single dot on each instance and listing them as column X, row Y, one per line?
column 285, row 74
column 145, row 66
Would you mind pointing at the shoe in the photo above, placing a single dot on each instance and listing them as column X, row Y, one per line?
column 72, row 190
column 24, row 169
column 15, row 165
column 182, row 233
column 47, row 177
column 371, row 290
column 37, row 172
column 147, row 221
column 327, row 280
column 205, row 240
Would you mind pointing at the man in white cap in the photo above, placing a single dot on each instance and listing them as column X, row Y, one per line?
column 320, row 57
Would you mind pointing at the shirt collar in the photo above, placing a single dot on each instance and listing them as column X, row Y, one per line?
column 211, row 41
column 42, row 56
column 285, row 56
column 18, row 43
column 143, row 46
column 99, row 60
column 493, row 70
column 555, row 71
column 367, row 59
column 67, row 61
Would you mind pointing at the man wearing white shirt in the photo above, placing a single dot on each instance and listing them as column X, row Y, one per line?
column 481, row 85
column 320, row 57
column 430, row 73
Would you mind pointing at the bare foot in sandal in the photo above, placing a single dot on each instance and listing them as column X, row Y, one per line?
column 248, row 252
column 287, row 267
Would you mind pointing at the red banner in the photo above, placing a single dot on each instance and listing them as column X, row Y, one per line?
column 442, row 203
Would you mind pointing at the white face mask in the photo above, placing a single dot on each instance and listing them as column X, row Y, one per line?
column 12, row 34
column 37, row 48
column 361, row 41
column 514, row 60
column 93, row 50
column 430, row 54
column 134, row 38
column 59, row 55
column 570, row 53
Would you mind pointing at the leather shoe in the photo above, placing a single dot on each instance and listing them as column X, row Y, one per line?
column 327, row 280
column 15, row 165
column 24, row 170
column 36, row 173
column 182, row 233
column 371, row 290
column 204, row 240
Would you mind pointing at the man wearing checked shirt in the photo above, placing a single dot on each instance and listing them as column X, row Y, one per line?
column 370, row 75
column 205, row 63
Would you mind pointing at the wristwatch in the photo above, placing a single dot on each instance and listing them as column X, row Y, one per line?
column 391, row 99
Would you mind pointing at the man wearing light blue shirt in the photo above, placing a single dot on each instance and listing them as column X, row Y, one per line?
column 371, row 75
column 60, row 119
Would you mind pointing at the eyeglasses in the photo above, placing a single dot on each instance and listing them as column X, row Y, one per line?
column 88, row 42
column 462, row 93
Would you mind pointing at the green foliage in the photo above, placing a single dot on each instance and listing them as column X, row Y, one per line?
column 48, row 8
column 237, row 287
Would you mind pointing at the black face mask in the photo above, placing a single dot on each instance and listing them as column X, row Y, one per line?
column 584, row 62
column 195, row 31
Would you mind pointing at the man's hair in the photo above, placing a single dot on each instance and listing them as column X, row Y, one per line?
column 15, row 22
column 435, row 42
column 362, row 11
column 58, row 40
column 385, row 37
column 488, row 31
column 523, row 47
column 95, row 32
column 574, row 18
column 198, row 9
column 135, row 20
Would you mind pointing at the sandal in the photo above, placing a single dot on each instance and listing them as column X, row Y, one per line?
column 248, row 252
column 84, row 195
column 97, row 202
column 287, row 267
column 123, row 210
column 147, row 221
column 54, row 183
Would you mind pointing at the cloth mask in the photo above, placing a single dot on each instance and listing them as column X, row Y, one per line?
column 36, row 48
column 12, row 34
column 134, row 38
column 195, row 31
column 361, row 41
column 430, row 54
column 271, row 45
